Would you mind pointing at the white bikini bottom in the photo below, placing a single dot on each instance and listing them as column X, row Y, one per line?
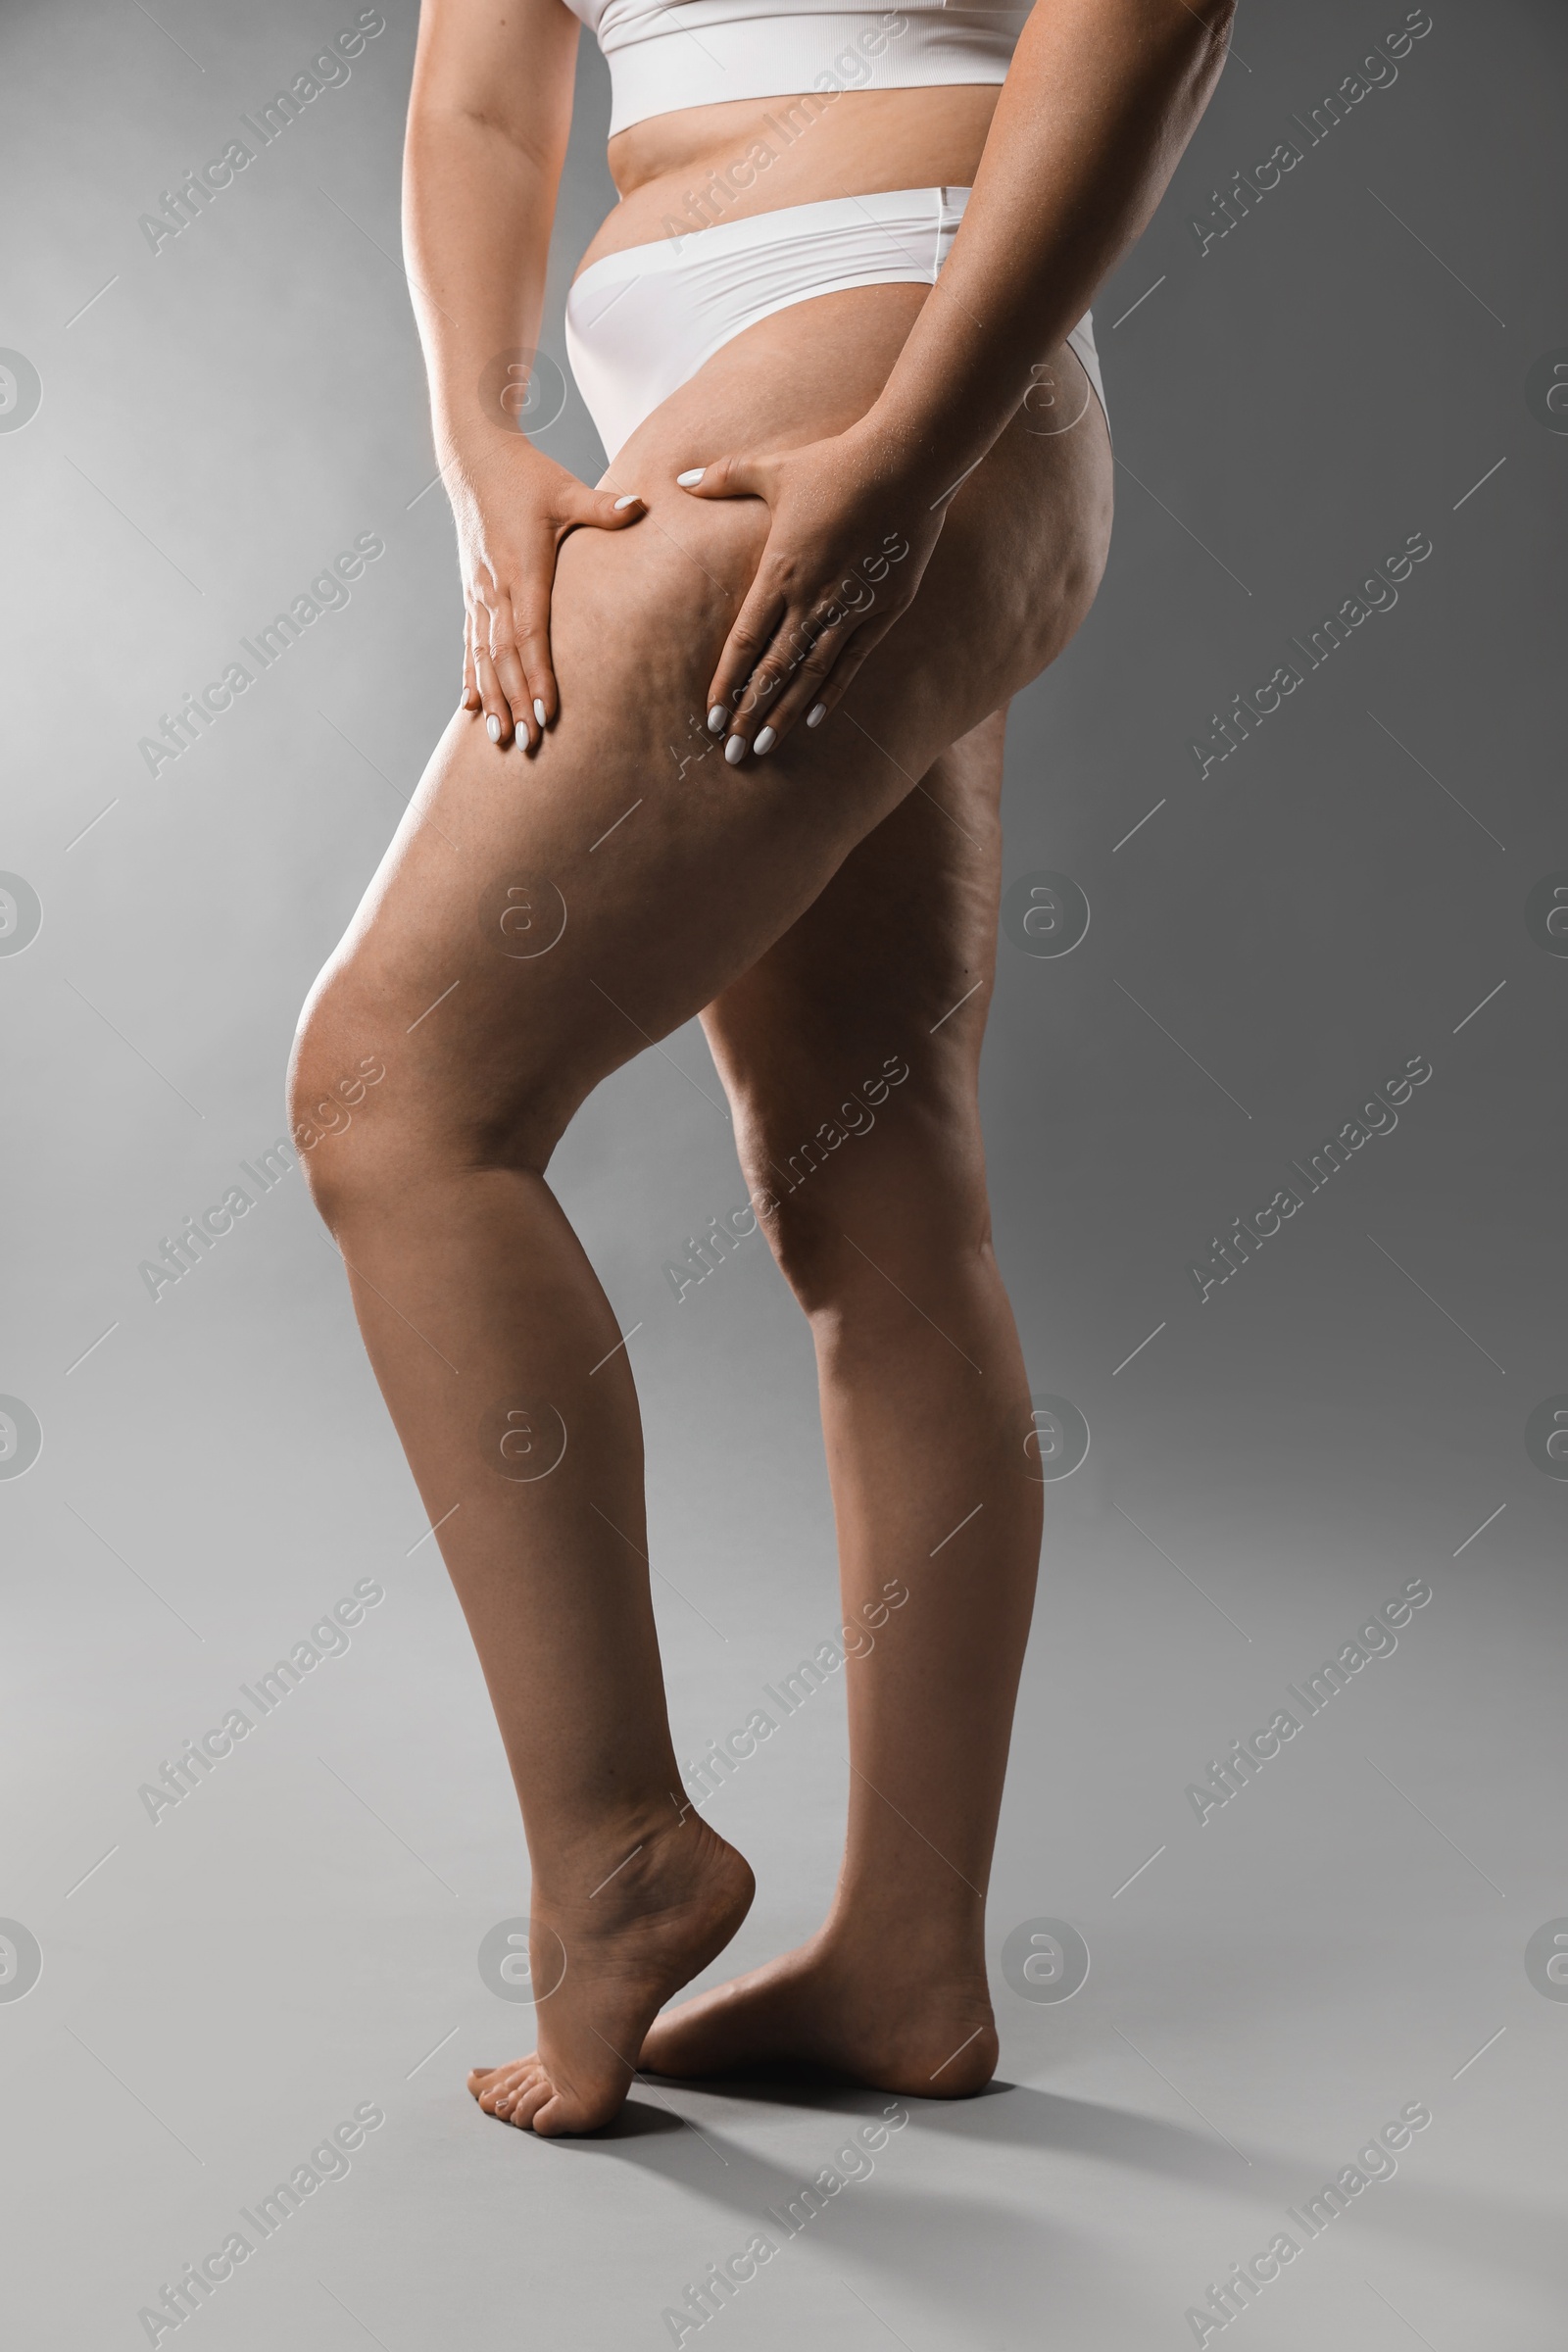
column 642, row 322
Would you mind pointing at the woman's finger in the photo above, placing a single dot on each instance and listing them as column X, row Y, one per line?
column 741, row 476
column 532, row 615
column 732, row 702
column 534, row 585
column 492, row 699
column 470, row 682
column 608, row 509
column 825, row 650
column 509, row 628
column 493, row 702
column 581, row 509
column 469, row 700
column 815, row 639
column 818, row 696
column 511, row 670
column 729, row 478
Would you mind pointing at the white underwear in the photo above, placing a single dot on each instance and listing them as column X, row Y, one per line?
column 641, row 322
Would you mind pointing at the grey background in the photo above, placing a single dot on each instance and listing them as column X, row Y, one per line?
column 219, row 1990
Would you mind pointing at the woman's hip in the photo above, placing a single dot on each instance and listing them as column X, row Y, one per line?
column 643, row 322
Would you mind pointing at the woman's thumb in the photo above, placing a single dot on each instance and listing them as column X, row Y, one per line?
column 606, row 509
column 725, row 477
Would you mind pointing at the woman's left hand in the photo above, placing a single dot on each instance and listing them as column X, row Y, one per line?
column 851, row 535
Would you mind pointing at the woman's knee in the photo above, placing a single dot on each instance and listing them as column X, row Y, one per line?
column 341, row 1100
column 859, row 1219
column 382, row 1105
column 373, row 1113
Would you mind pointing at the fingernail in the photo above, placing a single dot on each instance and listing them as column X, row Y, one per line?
column 817, row 713
column 735, row 749
column 631, row 499
column 690, row 480
column 538, row 710
column 716, row 719
column 765, row 741
column 492, row 727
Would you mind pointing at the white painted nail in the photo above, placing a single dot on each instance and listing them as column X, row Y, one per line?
column 765, row 741
column 716, row 719
column 735, row 749
column 538, row 710
column 631, row 499
column 817, row 713
column 690, row 480
column 492, row 727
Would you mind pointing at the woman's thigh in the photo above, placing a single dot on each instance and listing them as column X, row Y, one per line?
column 539, row 919
column 851, row 1049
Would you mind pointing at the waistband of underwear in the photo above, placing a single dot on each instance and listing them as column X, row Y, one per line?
column 924, row 210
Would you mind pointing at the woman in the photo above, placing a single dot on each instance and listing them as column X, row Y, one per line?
column 853, row 506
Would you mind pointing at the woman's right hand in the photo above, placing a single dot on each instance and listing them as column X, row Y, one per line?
column 513, row 506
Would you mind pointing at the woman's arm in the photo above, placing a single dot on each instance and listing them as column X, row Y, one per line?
column 1101, row 99
column 488, row 123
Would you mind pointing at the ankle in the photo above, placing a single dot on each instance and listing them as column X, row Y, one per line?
column 632, row 1844
column 931, row 1942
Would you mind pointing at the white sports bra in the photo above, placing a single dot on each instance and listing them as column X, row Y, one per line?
column 667, row 54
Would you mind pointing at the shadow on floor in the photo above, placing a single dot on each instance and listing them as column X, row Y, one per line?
column 915, row 2232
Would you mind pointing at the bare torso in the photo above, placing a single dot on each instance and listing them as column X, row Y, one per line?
column 855, row 143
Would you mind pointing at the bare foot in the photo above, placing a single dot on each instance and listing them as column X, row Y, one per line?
column 615, row 1956
column 863, row 2018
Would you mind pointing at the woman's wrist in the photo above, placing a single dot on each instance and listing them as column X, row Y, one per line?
column 928, row 446
column 478, row 396
column 470, row 460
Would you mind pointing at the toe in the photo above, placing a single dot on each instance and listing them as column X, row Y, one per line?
column 564, row 2110
column 498, row 2091
column 555, row 2117
column 535, row 2095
